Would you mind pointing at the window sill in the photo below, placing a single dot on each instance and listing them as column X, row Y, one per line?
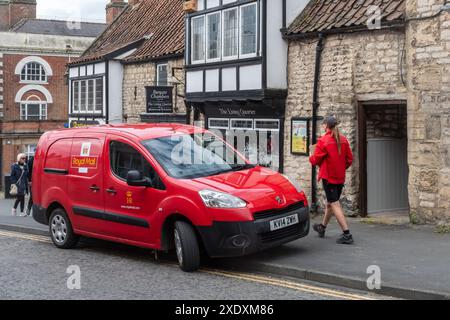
column 33, row 82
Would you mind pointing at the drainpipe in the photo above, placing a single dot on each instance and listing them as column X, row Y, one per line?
column 315, row 107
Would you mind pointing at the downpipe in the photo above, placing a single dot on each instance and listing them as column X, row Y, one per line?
column 315, row 108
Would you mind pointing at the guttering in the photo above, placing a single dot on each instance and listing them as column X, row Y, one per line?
column 396, row 24
column 315, row 107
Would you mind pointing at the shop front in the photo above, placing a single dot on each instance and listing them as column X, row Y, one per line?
column 254, row 128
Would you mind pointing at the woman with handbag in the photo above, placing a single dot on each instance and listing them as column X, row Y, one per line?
column 19, row 183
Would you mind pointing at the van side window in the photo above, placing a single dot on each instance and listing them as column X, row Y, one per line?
column 124, row 158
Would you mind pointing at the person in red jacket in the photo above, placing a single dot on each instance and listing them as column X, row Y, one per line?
column 334, row 156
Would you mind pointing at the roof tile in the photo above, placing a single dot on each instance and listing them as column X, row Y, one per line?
column 320, row 15
column 163, row 20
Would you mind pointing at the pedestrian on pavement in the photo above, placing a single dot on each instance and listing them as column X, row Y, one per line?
column 30, row 184
column 334, row 156
column 19, row 177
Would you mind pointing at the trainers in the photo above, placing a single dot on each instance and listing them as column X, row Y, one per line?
column 14, row 212
column 345, row 239
column 320, row 229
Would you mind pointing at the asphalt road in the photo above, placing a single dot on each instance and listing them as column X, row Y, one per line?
column 32, row 268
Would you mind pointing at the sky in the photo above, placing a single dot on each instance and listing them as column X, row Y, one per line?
column 72, row 10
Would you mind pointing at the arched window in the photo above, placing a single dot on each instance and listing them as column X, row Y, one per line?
column 33, row 71
column 33, row 109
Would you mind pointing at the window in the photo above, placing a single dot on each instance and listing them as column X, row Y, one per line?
column 248, row 30
column 30, row 150
column 162, row 75
column 33, row 72
column 241, row 124
column 198, row 39
column 33, row 111
column 87, row 96
column 267, row 125
column 225, row 34
column 218, row 123
column 124, row 158
column 230, row 33
column 213, row 40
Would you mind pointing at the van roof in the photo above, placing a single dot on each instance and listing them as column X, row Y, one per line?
column 141, row 131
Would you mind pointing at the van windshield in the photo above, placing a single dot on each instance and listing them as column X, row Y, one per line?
column 195, row 156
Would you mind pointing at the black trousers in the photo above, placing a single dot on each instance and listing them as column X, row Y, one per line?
column 30, row 202
column 20, row 200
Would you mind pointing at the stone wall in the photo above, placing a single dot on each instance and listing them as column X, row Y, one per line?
column 428, row 57
column 137, row 77
column 355, row 67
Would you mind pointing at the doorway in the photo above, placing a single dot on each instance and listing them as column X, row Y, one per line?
column 383, row 143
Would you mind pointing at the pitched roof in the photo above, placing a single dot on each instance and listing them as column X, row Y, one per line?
column 59, row 28
column 155, row 27
column 327, row 15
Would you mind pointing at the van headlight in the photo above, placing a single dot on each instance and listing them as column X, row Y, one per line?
column 294, row 183
column 214, row 199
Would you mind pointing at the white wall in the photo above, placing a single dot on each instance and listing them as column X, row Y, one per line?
column 277, row 47
column 115, row 92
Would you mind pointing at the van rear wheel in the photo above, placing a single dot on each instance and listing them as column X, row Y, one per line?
column 186, row 246
column 61, row 230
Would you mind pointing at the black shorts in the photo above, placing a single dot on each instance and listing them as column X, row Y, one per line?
column 332, row 191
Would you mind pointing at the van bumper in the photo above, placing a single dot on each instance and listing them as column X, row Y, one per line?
column 236, row 239
column 40, row 214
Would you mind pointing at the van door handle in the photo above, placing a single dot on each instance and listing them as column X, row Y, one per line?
column 111, row 191
column 94, row 188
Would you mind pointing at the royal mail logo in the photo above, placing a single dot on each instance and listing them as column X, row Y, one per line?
column 84, row 162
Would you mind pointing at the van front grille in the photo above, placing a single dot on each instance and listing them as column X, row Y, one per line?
column 274, row 213
column 282, row 233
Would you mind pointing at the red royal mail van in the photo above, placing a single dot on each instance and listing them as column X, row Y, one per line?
column 162, row 186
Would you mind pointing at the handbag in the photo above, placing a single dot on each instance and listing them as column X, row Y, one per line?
column 14, row 190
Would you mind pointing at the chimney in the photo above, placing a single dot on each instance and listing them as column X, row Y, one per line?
column 133, row 2
column 4, row 15
column 21, row 9
column 113, row 9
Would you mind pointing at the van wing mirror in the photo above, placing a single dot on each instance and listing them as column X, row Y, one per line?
column 136, row 179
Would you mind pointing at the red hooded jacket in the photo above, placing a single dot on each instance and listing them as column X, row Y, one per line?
column 332, row 164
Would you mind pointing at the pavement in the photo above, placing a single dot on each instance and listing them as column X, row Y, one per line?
column 413, row 260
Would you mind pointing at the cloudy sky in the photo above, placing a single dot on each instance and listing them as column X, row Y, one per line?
column 74, row 10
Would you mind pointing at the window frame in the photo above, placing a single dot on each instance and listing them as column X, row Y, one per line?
column 43, row 110
column 201, row 61
column 248, row 55
column 219, row 37
column 43, row 76
column 83, row 108
column 158, row 81
column 237, row 34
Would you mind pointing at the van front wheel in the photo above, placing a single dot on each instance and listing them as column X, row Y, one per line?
column 186, row 246
column 61, row 230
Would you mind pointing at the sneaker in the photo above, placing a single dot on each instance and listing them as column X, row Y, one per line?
column 22, row 214
column 14, row 212
column 345, row 239
column 320, row 229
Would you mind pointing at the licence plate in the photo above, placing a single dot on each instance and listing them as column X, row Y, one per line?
column 283, row 222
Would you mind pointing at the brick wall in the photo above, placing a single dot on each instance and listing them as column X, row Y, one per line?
column 58, row 110
column 21, row 133
column 1, row 86
column 137, row 77
column 428, row 56
column 362, row 66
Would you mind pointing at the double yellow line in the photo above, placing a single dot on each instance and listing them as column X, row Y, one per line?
column 233, row 275
column 288, row 284
column 23, row 236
